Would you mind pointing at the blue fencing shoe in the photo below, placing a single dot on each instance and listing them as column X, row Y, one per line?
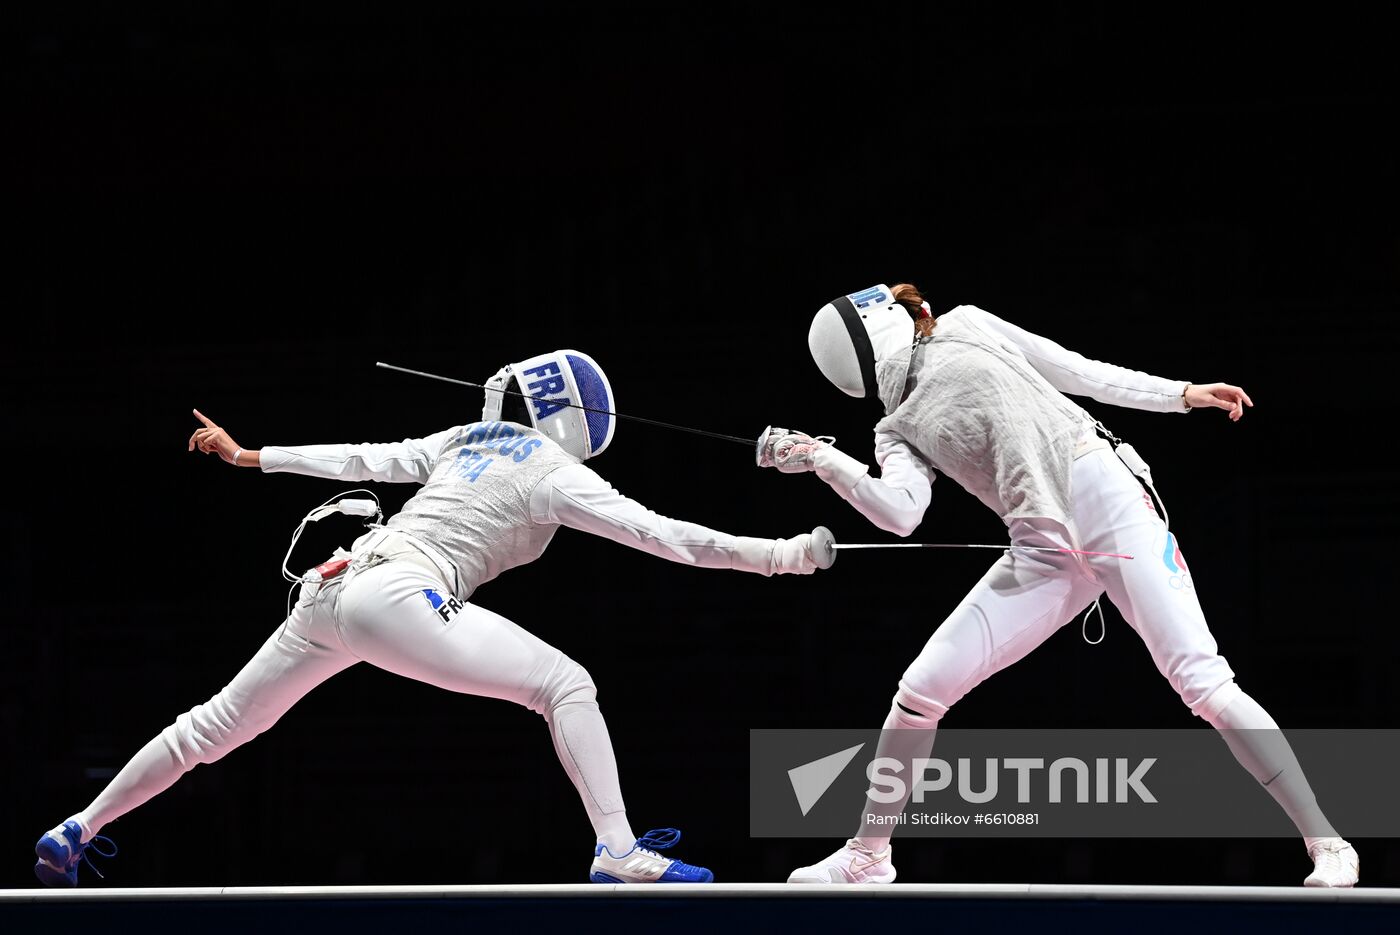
column 62, row 849
column 642, row 864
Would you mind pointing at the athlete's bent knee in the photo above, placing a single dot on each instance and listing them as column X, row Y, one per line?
column 567, row 683
column 1212, row 704
column 916, row 709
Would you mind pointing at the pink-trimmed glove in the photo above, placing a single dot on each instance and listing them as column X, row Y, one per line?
column 789, row 452
column 796, row 452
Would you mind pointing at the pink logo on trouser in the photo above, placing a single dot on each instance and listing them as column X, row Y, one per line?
column 1176, row 564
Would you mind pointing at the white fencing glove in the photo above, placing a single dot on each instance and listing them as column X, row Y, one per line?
column 794, row 452
column 789, row 452
column 800, row 555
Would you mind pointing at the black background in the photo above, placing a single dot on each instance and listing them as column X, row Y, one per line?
column 242, row 206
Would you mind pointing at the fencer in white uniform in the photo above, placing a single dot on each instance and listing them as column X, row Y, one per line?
column 494, row 494
column 982, row 401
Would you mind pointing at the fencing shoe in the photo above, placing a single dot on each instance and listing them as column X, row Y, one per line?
column 854, row 863
column 62, row 849
column 642, row 864
column 1335, row 863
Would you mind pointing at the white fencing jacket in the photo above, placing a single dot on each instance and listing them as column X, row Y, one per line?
column 494, row 494
column 983, row 404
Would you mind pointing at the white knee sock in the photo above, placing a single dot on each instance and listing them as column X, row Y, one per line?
column 204, row 734
column 905, row 737
column 585, row 749
column 147, row 774
column 1261, row 748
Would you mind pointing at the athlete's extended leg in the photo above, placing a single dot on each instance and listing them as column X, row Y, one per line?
column 297, row 657
column 401, row 617
column 1157, row 597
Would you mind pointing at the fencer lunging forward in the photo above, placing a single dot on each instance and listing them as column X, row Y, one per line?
column 494, row 493
column 981, row 400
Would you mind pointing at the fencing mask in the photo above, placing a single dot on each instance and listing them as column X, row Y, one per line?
column 851, row 334
column 559, row 381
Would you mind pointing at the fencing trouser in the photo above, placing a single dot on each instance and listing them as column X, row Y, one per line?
column 1026, row 596
column 399, row 615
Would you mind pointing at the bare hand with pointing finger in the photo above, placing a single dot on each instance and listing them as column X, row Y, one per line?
column 211, row 439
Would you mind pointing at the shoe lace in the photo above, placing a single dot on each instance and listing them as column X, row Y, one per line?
column 92, row 845
column 658, row 839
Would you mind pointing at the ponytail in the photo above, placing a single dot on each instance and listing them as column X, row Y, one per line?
column 907, row 296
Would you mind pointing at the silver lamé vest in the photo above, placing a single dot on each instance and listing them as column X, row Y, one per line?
column 475, row 507
column 978, row 412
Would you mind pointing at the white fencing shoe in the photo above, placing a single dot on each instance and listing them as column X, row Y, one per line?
column 1335, row 863
column 854, row 863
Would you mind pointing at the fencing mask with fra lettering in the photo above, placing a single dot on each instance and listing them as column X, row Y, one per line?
column 571, row 400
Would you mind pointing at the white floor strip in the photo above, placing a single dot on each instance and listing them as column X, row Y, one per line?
column 724, row 891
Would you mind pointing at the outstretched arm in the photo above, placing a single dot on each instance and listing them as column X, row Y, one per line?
column 895, row 501
column 408, row 461
column 577, row 497
column 1077, row 375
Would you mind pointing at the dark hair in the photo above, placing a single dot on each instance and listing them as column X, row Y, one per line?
column 513, row 408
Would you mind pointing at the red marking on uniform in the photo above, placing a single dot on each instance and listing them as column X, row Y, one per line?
column 330, row 569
